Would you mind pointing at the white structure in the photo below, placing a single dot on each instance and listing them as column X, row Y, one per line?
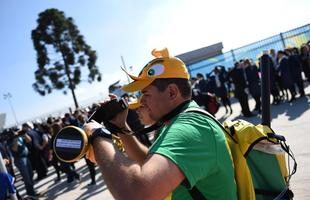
column 2, row 120
column 201, row 54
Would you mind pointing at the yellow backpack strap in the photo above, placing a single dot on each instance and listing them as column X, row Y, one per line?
column 243, row 177
column 281, row 158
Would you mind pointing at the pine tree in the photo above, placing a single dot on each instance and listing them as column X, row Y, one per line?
column 62, row 54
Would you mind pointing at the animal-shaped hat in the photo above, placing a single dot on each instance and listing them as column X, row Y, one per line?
column 163, row 66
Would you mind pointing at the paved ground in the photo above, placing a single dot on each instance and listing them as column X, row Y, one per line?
column 289, row 119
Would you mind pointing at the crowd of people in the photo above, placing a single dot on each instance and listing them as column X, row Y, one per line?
column 30, row 146
column 288, row 69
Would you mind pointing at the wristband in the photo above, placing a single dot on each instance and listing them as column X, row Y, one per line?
column 115, row 129
column 100, row 132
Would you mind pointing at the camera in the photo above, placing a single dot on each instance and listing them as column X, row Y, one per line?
column 71, row 143
column 107, row 111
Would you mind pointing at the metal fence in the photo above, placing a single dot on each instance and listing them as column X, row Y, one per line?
column 292, row 38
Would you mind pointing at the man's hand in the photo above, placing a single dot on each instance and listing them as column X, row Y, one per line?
column 120, row 119
column 6, row 161
column 89, row 129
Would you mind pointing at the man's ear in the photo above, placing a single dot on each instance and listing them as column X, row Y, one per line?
column 173, row 91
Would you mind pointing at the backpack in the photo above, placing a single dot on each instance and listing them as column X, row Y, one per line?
column 259, row 157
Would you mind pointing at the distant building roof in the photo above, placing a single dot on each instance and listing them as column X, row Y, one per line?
column 201, row 54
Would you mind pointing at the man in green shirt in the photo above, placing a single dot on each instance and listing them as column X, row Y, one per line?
column 190, row 146
column 197, row 146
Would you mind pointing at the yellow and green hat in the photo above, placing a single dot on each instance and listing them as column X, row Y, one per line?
column 163, row 66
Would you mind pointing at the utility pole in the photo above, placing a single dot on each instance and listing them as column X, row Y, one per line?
column 8, row 97
column 265, row 89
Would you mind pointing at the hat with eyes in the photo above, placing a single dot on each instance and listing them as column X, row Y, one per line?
column 163, row 66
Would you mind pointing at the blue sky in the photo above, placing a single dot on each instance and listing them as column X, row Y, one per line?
column 131, row 29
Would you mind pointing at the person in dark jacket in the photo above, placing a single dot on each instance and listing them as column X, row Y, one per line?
column 274, row 88
column 237, row 75
column 196, row 94
column 35, row 147
column 253, row 82
column 202, row 95
column 201, row 83
column 218, row 87
column 305, row 60
column 296, row 69
column 20, row 153
column 285, row 74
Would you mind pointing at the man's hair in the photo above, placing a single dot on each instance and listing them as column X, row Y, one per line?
column 25, row 125
column 183, row 85
column 200, row 75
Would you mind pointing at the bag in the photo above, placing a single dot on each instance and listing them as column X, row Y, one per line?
column 259, row 157
column 212, row 103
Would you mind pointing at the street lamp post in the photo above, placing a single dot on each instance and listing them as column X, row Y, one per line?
column 8, row 97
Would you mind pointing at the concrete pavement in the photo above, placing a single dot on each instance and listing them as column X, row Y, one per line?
column 289, row 119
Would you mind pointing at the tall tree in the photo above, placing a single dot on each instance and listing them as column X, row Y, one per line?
column 62, row 54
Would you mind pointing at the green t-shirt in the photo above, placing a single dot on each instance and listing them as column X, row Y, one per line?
column 197, row 145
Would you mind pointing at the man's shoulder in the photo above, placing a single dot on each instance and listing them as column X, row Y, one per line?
column 192, row 119
column 193, row 111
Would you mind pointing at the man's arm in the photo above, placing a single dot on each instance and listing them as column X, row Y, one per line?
column 134, row 148
column 27, row 138
column 126, row 179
